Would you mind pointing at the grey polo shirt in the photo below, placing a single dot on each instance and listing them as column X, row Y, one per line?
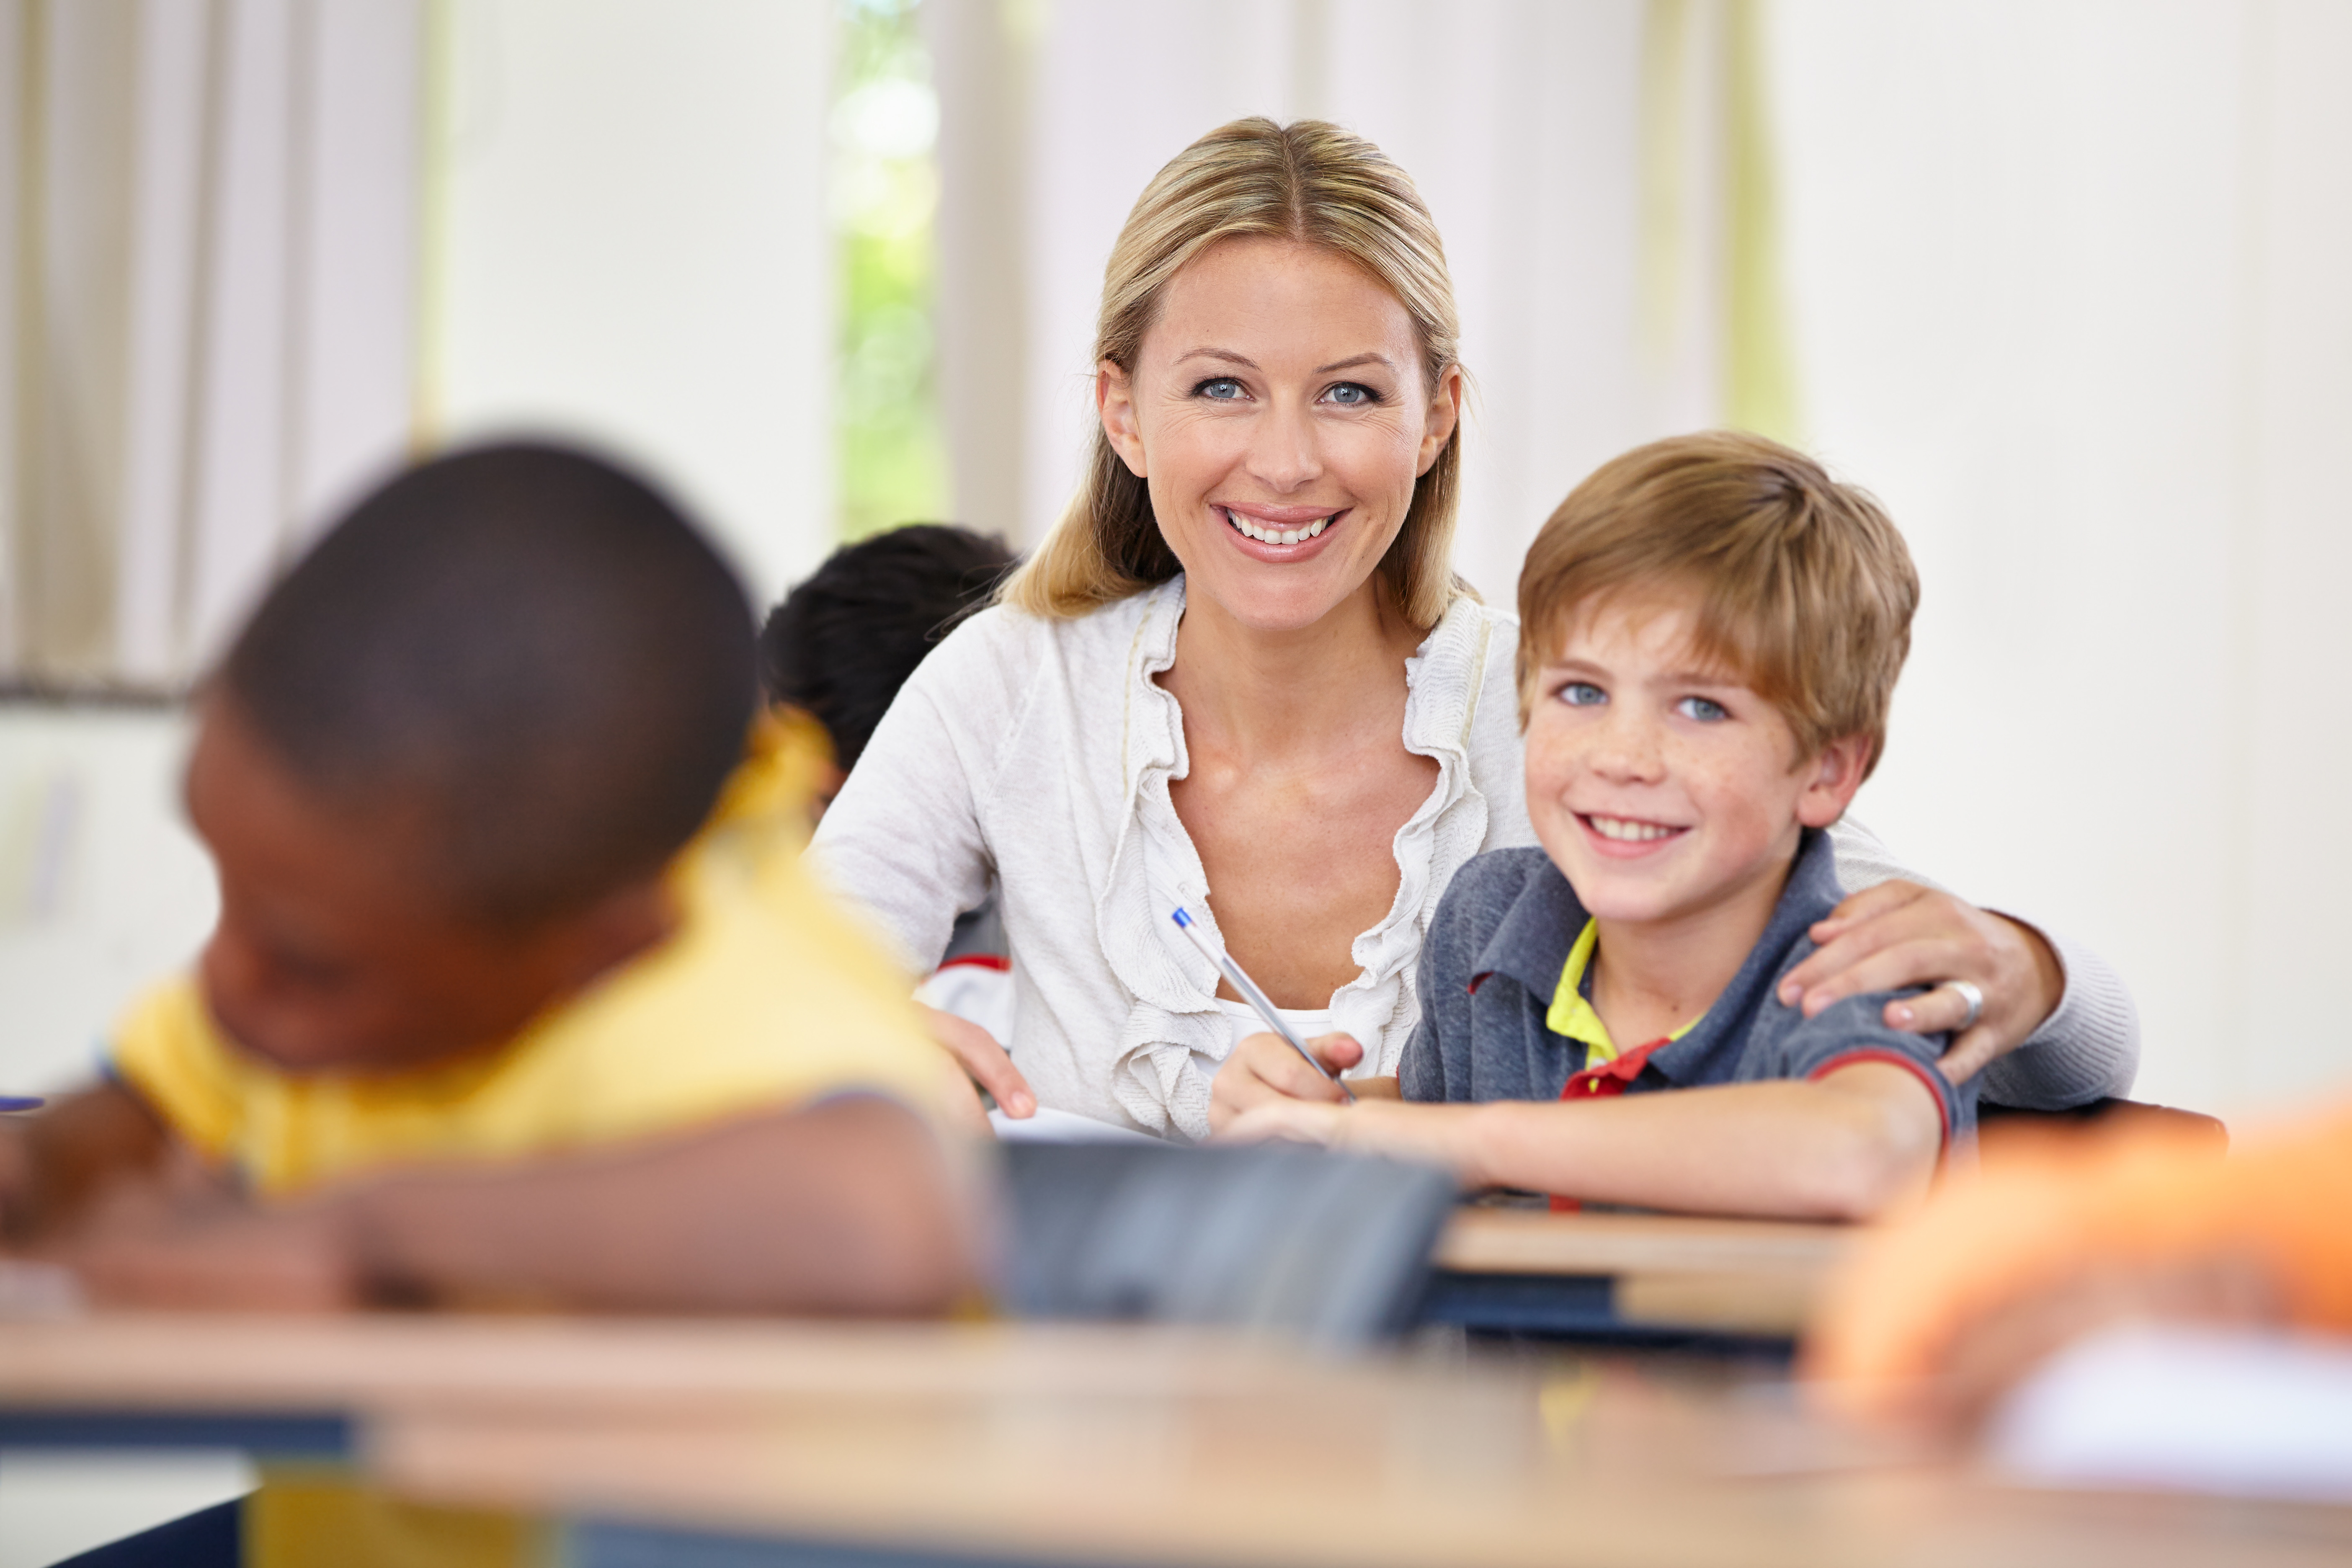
column 1493, row 960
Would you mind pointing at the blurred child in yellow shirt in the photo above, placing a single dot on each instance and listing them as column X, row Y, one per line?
column 518, row 992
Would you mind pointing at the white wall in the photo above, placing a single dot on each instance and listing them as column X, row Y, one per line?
column 2071, row 297
column 632, row 246
column 102, row 887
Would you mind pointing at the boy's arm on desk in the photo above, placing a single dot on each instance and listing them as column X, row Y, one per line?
column 1850, row 1145
column 844, row 1207
column 56, row 1163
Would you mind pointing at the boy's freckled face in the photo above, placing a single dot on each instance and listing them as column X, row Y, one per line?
column 332, row 951
column 1664, row 789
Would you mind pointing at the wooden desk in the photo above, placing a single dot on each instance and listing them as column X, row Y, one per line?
column 729, row 1443
column 1599, row 1275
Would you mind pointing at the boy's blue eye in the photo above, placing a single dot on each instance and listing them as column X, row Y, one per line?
column 1583, row 694
column 1220, row 389
column 1351, row 394
column 1702, row 709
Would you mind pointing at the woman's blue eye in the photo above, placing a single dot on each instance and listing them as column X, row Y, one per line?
column 1583, row 694
column 1351, row 394
column 1702, row 709
column 1220, row 389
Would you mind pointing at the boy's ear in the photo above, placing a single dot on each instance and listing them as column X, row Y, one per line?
column 1115, row 402
column 1835, row 775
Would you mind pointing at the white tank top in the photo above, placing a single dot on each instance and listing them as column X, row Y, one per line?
column 1308, row 1022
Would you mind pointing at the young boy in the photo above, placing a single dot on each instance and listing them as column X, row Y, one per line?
column 1710, row 632
column 834, row 654
column 517, row 992
column 843, row 641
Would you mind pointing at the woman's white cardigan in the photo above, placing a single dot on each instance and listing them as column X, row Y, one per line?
column 1035, row 755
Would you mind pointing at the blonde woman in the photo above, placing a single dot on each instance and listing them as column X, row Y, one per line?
column 1240, row 677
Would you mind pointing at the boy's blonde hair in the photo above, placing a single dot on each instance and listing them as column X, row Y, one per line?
column 1308, row 181
column 1805, row 587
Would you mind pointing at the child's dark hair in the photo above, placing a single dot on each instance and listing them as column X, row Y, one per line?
column 525, row 651
column 843, row 642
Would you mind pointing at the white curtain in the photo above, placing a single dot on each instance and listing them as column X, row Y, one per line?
column 210, row 308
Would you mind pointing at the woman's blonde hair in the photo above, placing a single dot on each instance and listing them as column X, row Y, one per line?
column 1308, row 182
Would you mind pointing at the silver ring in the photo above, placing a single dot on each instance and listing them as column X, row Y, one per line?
column 1973, row 997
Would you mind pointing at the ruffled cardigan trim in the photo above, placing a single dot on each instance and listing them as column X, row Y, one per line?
column 1174, row 1037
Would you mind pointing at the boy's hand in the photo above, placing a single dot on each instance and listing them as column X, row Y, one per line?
column 1297, row 1120
column 182, row 1239
column 1264, row 1069
column 15, row 1179
column 236, row 1258
column 1898, row 935
column 983, row 1060
column 58, row 1162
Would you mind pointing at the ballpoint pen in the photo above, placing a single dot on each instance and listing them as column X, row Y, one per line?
column 1256, row 998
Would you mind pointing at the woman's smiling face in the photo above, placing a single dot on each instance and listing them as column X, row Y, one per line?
column 1278, row 412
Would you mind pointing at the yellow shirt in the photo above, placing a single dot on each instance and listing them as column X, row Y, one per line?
column 1572, row 1018
column 762, row 998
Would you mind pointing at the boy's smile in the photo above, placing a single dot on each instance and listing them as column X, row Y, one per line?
column 1663, row 789
column 1626, row 835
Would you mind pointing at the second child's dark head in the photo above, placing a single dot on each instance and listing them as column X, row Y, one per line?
column 444, row 766
column 843, row 641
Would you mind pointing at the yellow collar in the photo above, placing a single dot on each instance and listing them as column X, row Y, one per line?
column 1571, row 1015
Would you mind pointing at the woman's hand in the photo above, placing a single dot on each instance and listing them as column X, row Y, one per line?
column 985, row 1061
column 1264, row 1069
column 1900, row 935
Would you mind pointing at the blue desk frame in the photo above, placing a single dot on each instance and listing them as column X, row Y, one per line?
column 1573, row 1308
column 277, row 1435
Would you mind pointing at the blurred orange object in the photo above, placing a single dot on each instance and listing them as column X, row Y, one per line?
column 2050, row 1213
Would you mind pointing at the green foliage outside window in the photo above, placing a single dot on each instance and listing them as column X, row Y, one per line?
column 893, row 457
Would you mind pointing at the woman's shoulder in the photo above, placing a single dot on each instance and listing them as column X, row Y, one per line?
column 1464, row 693
column 1470, row 650
column 1007, row 631
column 1462, row 652
column 993, row 656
